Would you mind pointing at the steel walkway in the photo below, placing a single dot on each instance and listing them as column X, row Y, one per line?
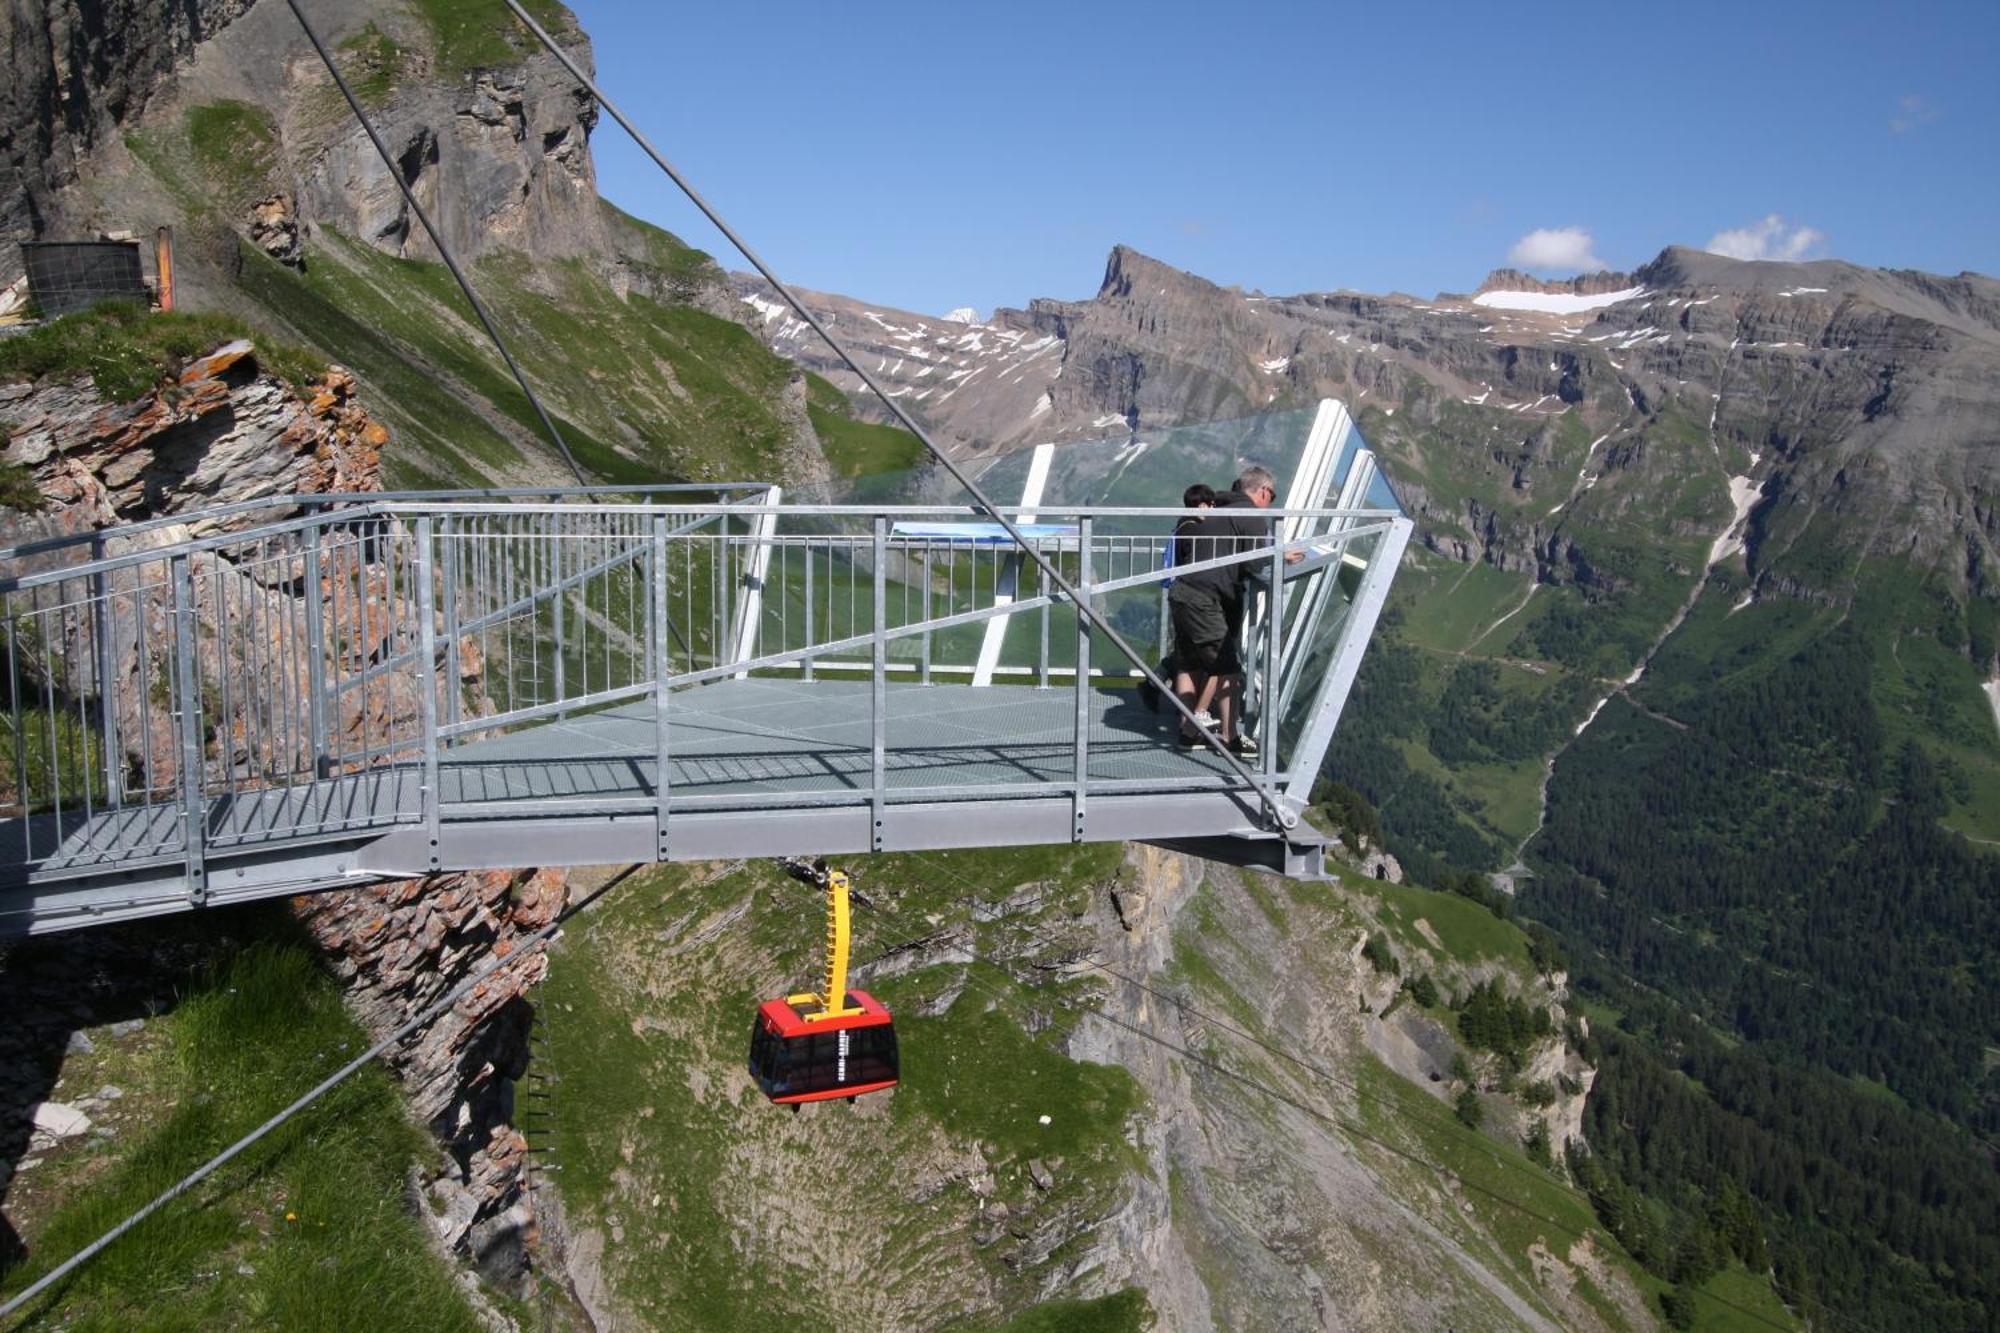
column 203, row 712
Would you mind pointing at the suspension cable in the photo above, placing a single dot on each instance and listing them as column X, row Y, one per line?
column 1282, row 816
column 526, row 948
column 478, row 308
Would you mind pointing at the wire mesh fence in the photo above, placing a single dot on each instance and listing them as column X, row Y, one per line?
column 67, row 276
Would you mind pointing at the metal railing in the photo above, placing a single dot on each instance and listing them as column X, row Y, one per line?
column 173, row 700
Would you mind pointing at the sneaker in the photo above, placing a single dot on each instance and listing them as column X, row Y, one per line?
column 1244, row 747
column 1205, row 720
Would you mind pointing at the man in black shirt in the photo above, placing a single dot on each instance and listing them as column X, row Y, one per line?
column 1207, row 605
column 1187, row 683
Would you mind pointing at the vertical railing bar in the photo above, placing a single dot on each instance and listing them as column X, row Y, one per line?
column 1267, row 716
column 663, row 670
column 317, row 653
column 85, row 732
column 806, row 665
column 193, row 824
column 20, row 737
column 427, row 684
column 925, row 673
column 107, row 676
column 448, row 555
column 536, row 580
column 878, row 693
column 142, row 702
column 49, row 636
column 558, row 560
column 219, row 589
column 1042, row 660
column 257, row 683
column 1082, row 775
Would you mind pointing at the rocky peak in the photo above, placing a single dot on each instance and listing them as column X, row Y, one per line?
column 1128, row 272
column 1588, row 284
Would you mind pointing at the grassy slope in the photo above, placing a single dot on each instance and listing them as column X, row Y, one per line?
column 867, row 460
column 125, row 350
column 315, row 1208
column 642, row 391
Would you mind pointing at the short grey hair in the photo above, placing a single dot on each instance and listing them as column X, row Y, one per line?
column 1253, row 477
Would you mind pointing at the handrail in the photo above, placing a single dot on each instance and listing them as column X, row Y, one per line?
column 302, row 664
column 383, row 508
column 331, row 499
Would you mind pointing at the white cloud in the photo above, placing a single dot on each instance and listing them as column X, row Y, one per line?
column 1912, row 111
column 1565, row 248
column 1771, row 238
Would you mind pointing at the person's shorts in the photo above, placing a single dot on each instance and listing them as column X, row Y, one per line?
column 1205, row 630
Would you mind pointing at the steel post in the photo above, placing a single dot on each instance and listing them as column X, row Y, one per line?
column 448, row 583
column 1274, row 631
column 1042, row 651
column 662, row 672
column 925, row 671
column 427, row 685
column 806, row 665
column 1084, row 574
column 560, row 603
column 879, row 684
column 187, row 719
column 105, row 638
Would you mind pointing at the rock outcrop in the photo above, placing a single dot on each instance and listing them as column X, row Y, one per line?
column 400, row 946
column 223, row 430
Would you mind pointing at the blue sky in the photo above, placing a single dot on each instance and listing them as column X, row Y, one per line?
column 935, row 155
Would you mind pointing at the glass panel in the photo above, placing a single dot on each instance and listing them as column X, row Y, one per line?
column 928, row 575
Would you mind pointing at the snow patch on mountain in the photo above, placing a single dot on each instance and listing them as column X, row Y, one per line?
column 1742, row 495
column 965, row 314
column 1554, row 303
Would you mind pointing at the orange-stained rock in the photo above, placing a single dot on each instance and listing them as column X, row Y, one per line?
column 540, row 897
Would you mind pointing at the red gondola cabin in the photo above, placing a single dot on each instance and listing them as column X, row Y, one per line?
column 798, row 1060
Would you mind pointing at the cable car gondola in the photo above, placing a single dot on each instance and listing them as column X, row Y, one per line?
column 812, row 1048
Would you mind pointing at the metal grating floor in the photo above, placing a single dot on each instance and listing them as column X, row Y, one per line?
column 735, row 744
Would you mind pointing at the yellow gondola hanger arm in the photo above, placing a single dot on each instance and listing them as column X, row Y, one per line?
column 832, row 998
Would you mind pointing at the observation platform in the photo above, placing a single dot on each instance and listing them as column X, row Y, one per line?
column 379, row 687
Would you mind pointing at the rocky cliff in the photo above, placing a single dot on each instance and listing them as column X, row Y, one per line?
column 218, row 431
column 74, row 72
column 1549, row 437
